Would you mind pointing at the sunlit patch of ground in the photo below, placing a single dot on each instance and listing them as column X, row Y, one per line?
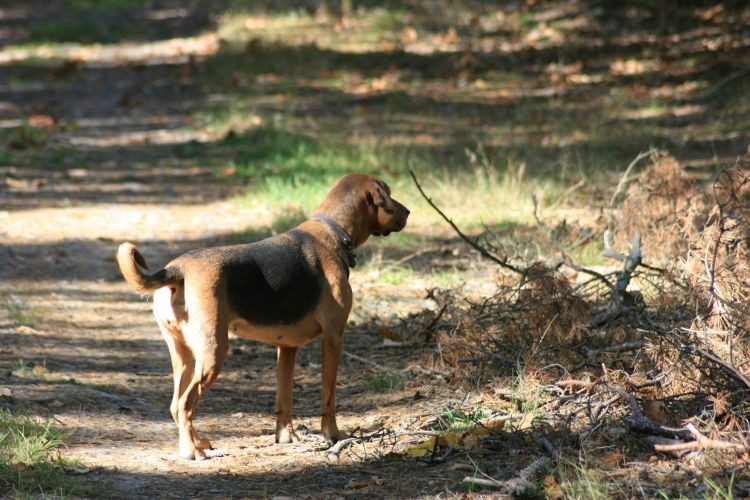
column 173, row 51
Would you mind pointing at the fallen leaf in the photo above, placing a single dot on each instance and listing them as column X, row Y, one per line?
column 24, row 184
column 480, row 430
column 451, row 36
column 552, row 490
column 391, row 343
column 450, row 439
column 494, row 423
column 5, row 391
column 352, row 484
column 228, row 171
column 655, row 410
column 424, row 139
column 41, row 121
column 409, row 34
column 466, row 467
column 526, row 421
column 470, row 441
column 78, row 173
column 423, row 448
column 387, row 333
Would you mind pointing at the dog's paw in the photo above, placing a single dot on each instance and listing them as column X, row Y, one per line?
column 202, row 443
column 218, row 452
column 286, row 435
column 335, row 436
column 192, row 454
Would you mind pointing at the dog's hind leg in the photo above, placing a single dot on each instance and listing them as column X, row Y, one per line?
column 183, row 367
column 285, row 358
column 183, row 364
column 210, row 350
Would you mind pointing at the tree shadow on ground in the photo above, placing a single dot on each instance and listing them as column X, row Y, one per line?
column 118, row 131
column 89, row 22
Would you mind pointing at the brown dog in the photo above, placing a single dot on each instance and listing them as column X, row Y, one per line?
column 285, row 290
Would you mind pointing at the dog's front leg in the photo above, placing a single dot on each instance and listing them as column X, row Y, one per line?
column 285, row 358
column 331, row 355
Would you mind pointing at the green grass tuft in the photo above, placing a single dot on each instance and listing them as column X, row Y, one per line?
column 30, row 460
column 459, row 420
column 384, row 382
column 20, row 314
column 717, row 490
column 580, row 481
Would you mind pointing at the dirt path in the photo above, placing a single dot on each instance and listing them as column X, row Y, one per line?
column 105, row 136
column 79, row 345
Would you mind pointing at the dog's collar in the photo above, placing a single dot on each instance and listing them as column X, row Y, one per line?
column 351, row 255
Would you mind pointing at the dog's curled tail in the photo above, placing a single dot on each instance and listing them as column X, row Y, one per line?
column 135, row 271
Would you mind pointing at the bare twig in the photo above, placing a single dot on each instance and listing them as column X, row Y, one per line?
column 375, row 365
column 630, row 263
column 549, row 447
column 731, row 371
column 502, row 262
column 480, row 481
column 536, row 210
column 639, row 421
column 517, row 484
column 437, row 317
column 596, row 275
column 581, row 383
column 728, row 369
column 625, row 346
column 335, row 450
column 702, row 443
column 625, row 179
column 667, row 445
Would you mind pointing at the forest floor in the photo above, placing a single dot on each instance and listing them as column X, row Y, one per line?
column 165, row 123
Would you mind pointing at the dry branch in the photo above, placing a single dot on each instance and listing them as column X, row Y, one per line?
column 581, row 383
column 702, row 443
column 619, row 193
column 501, row 261
column 335, row 450
column 377, row 366
column 639, row 421
column 517, row 484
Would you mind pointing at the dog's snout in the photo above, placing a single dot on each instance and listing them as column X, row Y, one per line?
column 400, row 208
column 403, row 214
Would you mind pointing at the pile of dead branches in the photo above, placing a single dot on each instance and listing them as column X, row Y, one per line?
column 663, row 349
column 478, row 340
column 710, row 357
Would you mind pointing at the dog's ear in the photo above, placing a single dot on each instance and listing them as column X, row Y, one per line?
column 378, row 195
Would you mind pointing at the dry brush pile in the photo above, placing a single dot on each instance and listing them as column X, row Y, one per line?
column 656, row 351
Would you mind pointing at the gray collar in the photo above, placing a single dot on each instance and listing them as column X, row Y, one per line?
column 351, row 256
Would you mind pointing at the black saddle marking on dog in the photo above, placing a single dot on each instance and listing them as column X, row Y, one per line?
column 275, row 281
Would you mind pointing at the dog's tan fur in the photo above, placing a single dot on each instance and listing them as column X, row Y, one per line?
column 194, row 312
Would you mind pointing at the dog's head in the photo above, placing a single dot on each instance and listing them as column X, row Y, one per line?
column 363, row 205
column 386, row 214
